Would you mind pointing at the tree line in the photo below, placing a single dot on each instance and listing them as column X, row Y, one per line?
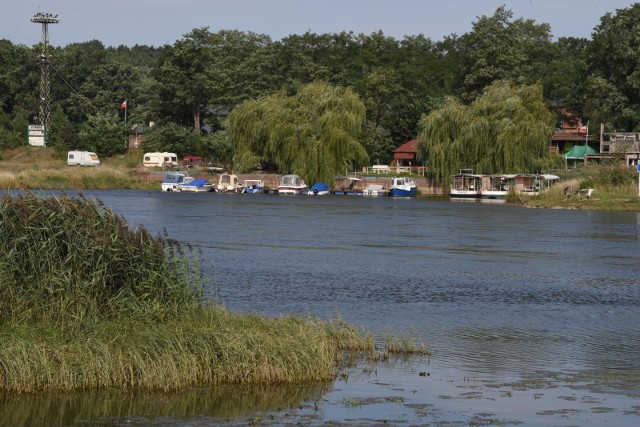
column 340, row 99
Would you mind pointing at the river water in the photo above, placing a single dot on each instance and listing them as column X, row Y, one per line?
column 533, row 315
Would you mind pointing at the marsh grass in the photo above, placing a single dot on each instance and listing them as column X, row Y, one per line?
column 407, row 344
column 63, row 259
column 86, row 302
column 205, row 346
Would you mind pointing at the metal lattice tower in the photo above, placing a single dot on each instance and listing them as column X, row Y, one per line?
column 45, row 88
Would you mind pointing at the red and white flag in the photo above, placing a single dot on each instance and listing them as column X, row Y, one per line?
column 583, row 129
column 124, row 104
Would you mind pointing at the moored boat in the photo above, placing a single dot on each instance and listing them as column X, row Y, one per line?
column 347, row 185
column 319, row 189
column 292, row 184
column 403, row 187
column 497, row 186
column 466, row 184
column 253, row 186
column 196, row 185
column 533, row 184
column 172, row 181
column 229, row 183
column 374, row 190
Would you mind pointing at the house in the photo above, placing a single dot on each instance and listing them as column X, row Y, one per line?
column 618, row 145
column 406, row 154
column 572, row 132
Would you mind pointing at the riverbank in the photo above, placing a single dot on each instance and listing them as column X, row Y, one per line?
column 609, row 187
column 614, row 188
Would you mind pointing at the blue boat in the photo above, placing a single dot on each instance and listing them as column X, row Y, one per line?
column 196, row 185
column 319, row 189
column 403, row 187
column 253, row 186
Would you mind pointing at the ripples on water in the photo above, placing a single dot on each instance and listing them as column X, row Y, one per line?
column 495, row 288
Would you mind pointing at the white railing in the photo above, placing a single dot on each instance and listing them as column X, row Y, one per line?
column 378, row 169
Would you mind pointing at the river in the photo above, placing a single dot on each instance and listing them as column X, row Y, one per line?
column 533, row 315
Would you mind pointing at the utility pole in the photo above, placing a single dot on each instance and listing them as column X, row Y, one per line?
column 45, row 88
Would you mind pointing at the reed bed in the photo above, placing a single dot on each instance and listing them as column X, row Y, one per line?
column 206, row 347
column 86, row 302
column 63, row 259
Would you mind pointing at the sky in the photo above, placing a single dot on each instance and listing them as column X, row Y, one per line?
column 159, row 22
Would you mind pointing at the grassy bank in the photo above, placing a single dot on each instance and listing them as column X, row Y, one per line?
column 615, row 187
column 45, row 168
column 87, row 302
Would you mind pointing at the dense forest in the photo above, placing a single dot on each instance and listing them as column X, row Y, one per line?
column 235, row 93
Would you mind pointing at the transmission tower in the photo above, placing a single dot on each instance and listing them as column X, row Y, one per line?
column 45, row 88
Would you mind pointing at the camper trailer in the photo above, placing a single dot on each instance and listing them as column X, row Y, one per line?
column 82, row 158
column 161, row 160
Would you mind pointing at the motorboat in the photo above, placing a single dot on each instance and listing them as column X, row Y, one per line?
column 229, row 183
column 374, row 190
column 172, row 181
column 253, row 186
column 292, row 184
column 348, row 185
column 196, row 185
column 403, row 187
column 319, row 189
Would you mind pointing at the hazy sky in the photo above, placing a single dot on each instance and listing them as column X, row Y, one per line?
column 158, row 22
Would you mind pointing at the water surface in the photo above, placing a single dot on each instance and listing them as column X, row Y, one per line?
column 507, row 297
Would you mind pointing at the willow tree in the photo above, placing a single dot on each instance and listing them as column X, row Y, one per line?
column 506, row 130
column 314, row 133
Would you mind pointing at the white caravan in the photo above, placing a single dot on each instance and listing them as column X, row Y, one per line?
column 82, row 158
column 161, row 160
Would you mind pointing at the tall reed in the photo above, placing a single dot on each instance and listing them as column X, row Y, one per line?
column 204, row 347
column 65, row 258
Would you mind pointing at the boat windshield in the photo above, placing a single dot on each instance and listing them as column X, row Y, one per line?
column 290, row 180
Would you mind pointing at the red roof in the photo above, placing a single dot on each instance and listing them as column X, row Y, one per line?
column 407, row 147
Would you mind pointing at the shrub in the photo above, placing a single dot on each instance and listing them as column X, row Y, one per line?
column 608, row 175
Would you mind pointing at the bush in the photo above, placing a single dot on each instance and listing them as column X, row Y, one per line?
column 608, row 175
column 64, row 259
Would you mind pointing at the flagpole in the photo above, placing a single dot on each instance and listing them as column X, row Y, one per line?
column 126, row 104
column 586, row 136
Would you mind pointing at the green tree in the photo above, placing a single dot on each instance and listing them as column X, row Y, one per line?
column 564, row 73
column 501, row 48
column 102, row 133
column 173, row 138
column 613, row 90
column 506, row 130
column 379, row 144
column 217, row 147
column 314, row 133
column 13, row 133
column 62, row 133
column 209, row 73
